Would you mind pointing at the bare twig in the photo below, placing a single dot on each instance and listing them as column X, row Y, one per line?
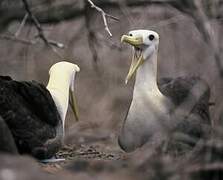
column 37, row 25
column 29, row 42
column 40, row 30
column 21, row 25
column 92, row 40
column 16, row 39
column 56, row 44
column 36, row 22
column 104, row 15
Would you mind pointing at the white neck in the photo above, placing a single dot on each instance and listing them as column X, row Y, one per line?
column 58, row 86
column 146, row 87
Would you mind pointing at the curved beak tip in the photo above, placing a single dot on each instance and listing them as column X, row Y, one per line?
column 77, row 68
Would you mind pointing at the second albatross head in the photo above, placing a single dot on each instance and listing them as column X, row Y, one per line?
column 145, row 43
column 61, row 87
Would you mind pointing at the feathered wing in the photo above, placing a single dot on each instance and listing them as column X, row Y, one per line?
column 39, row 101
column 190, row 95
column 188, row 89
column 7, row 143
column 31, row 115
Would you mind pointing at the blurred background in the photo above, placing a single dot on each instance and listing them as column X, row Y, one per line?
column 35, row 34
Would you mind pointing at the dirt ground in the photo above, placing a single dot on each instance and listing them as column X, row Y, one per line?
column 70, row 154
column 86, row 152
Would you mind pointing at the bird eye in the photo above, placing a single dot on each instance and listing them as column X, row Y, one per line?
column 151, row 37
column 130, row 34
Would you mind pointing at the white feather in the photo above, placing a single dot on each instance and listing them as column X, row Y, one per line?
column 61, row 79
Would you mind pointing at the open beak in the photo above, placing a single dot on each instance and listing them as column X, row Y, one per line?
column 137, row 58
column 136, row 62
column 73, row 104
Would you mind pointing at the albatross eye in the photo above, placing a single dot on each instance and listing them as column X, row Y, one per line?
column 151, row 37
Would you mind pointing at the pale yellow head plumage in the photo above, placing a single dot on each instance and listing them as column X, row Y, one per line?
column 61, row 86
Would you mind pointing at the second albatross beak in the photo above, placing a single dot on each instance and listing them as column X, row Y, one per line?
column 72, row 98
column 137, row 58
column 73, row 104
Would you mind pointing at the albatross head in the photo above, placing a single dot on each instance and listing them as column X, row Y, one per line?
column 61, row 86
column 145, row 44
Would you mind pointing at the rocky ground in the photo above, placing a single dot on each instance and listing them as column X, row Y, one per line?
column 82, row 155
column 103, row 160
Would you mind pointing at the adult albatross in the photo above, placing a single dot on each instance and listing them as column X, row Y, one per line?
column 35, row 114
column 161, row 109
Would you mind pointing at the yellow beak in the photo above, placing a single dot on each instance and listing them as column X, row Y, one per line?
column 137, row 58
column 136, row 62
column 73, row 104
column 134, row 41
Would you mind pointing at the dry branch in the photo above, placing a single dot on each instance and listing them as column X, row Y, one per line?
column 104, row 15
column 48, row 13
column 28, row 41
column 35, row 22
column 16, row 39
column 92, row 40
column 21, row 25
column 40, row 30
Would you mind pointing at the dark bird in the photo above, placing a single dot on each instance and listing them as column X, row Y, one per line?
column 160, row 109
column 34, row 115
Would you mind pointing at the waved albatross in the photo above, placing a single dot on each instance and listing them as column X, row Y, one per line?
column 162, row 108
column 35, row 114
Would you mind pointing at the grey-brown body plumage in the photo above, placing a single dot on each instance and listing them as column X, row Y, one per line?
column 188, row 118
column 190, row 114
column 168, row 111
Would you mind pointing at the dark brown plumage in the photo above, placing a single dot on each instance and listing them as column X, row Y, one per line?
column 30, row 114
